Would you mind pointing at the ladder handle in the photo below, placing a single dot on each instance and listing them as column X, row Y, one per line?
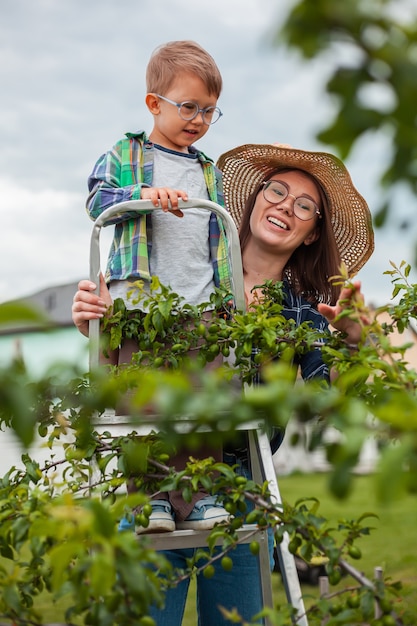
column 146, row 206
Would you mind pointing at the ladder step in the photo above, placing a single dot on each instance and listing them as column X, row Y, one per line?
column 198, row 538
column 121, row 425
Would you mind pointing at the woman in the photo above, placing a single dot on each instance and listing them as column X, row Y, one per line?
column 299, row 216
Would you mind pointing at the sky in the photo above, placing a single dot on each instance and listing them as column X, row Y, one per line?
column 72, row 82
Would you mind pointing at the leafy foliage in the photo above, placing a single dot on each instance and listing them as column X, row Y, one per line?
column 373, row 49
column 59, row 535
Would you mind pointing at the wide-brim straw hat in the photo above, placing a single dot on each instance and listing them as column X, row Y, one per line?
column 244, row 169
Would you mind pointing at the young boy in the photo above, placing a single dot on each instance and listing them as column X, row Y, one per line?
column 187, row 254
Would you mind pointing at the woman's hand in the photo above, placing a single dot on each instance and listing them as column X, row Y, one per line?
column 89, row 306
column 349, row 298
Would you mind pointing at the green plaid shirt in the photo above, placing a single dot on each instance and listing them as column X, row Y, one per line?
column 118, row 176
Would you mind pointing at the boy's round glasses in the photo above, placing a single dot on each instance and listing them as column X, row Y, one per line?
column 189, row 110
column 276, row 192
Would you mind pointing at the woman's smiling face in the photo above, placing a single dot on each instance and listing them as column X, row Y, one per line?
column 276, row 225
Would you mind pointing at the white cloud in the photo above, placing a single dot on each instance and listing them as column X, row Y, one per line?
column 72, row 76
column 47, row 238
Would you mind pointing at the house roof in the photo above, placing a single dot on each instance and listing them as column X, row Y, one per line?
column 54, row 302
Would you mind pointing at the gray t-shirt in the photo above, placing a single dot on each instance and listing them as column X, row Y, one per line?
column 180, row 253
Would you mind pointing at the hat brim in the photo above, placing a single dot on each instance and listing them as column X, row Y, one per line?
column 244, row 168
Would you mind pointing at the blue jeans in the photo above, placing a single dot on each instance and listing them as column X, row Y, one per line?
column 240, row 588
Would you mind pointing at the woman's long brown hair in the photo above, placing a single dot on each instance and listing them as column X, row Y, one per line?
column 309, row 268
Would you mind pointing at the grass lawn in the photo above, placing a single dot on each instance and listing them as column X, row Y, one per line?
column 392, row 544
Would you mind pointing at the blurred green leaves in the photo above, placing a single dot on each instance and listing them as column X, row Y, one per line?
column 19, row 313
column 373, row 50
column 59, row 517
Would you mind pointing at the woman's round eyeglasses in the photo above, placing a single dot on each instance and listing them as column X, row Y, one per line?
column 189, row 110
column 276, row 192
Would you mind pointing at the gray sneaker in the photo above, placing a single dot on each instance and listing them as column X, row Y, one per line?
column 160, row 520
column 205, row 514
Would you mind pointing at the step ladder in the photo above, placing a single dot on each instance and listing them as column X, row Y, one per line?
column 260, row 455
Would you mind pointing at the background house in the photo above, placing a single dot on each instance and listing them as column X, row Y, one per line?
column 39, row 347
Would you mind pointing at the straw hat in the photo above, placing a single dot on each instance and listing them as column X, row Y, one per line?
column 244, row 168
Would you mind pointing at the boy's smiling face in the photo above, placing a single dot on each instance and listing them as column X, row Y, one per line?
column 170, row 130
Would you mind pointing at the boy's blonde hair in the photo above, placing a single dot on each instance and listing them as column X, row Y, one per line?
column 174, row 57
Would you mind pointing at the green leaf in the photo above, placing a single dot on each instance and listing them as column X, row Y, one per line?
column 103, row 520
column 11, row 597
column 115, row 337
column 390, row 478
column 5, row 551
column 399, row 409
column 19, row 313
column 102, row 574
column 164, row 307
column 381, row 215
column 20, row 529
column 61, row 558
column 136, row 456
column 158, row 321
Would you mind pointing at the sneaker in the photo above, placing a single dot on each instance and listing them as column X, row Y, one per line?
column 205, row 514
column 127, row 523
column 160, row 520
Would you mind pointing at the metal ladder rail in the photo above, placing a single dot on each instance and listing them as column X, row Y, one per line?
column 259, row 448
column 262, row 466
column 146, row 206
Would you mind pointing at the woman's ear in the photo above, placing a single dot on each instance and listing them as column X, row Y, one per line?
column 312, row 237
column 152, row 102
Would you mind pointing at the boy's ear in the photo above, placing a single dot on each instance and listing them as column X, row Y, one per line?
column 153, row 103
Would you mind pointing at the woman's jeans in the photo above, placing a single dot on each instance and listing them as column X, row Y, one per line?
column 238, row 589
